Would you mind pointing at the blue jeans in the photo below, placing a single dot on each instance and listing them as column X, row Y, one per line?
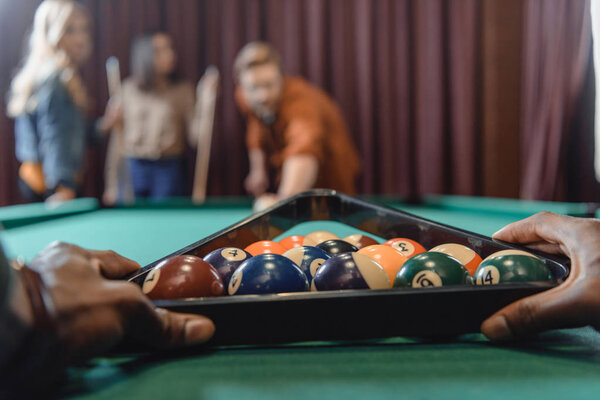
column 156, row 179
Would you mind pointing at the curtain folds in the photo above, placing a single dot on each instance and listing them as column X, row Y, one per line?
column 557, row 53
column 473, row 97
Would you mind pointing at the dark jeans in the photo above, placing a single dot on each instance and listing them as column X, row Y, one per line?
column 156, row 179
column 31, row 196
column 28, row 194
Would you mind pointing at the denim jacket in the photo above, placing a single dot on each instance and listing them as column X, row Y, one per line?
column 53, row 135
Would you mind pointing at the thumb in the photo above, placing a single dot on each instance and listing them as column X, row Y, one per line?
column 161, row 328
column 554, row 309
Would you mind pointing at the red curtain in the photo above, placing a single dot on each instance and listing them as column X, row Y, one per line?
column 556, row 57
column 472, row 97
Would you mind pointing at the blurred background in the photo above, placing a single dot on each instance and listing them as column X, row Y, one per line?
column 471, row 97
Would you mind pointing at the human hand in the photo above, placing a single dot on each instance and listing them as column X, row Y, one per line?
column 256, row 182
column 574, row 303
column 62, row 193
column 110, row 196
column 264, row 201
column 93, row 312
column 113, row 116
column 207, row 86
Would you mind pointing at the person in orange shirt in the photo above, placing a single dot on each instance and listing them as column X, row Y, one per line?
column 296, row 135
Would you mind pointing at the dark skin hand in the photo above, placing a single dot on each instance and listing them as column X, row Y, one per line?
column 574, row 303
column 94, row 312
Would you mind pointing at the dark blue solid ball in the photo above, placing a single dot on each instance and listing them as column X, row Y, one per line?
column 267, row 273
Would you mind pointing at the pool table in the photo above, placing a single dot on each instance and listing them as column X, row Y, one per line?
column 557, row 365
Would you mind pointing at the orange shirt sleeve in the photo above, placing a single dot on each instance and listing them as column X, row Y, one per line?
column 254, row 133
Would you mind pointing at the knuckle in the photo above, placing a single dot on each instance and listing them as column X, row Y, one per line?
column 544, row 215
column 107, row 256
column 58, row 245
column 61, row 247
column 111, row 253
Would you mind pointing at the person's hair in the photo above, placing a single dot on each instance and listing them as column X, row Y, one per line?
column 43, row 58
column 142, row 61
column 254, row 54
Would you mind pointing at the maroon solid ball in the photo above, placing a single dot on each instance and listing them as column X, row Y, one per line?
column 181, row 277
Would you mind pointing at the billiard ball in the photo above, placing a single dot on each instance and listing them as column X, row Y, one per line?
column 181, row 277
column 388, row 257
column 316, row 237
column 467, row 256
column 308, row 258
column 432, row 269
column 267, row 273
column 265, row 247
column 226, row 260
column 359, row 241
column 511, row 266
column 350, row 271
column 292, row 241
column 407, row 247
column 336, row 246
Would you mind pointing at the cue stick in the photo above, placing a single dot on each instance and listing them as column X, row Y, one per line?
column 116, row 175
column 204, row 133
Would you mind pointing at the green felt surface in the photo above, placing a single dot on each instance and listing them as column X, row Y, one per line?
column 476, row 221
column 142, row 234
column 25, row 214
column 147, row 232
column 506, row 206
column 559, row 365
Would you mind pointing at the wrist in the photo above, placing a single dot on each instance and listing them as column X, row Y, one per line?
column 16, row 321
column 19, row 303
column 64, row 188
column 64, row 184
column 102, row 126
column 29, row 345
column 40, row 301
column 258, row 171
column 62, row 193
